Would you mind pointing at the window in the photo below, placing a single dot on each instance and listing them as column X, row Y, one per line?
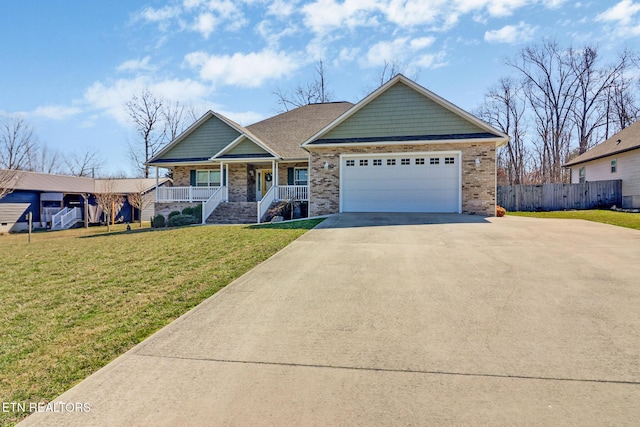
column 448, row 160
column 405, row 161
column 377, row 162
column 614, row 165
column 434, row 161
column 208, row 178
column 583, row 174
column 364, row 162
column 391, row 162
column 419, row 161
column 300, row 176
column 351, row 162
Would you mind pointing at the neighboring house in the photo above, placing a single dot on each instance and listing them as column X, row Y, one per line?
column 616, row 158
column 59, row 201
column 400, row 149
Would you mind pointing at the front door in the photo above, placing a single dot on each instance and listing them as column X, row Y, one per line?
column 265, row 181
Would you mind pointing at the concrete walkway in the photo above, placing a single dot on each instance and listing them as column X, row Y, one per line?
column 398, row 320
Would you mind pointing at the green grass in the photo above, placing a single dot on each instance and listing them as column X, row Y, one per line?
column 621, row 219
column 69, row 305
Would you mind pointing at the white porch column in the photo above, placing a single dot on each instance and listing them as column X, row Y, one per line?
column 157, row 185
column 275, row 173
column 226, row 193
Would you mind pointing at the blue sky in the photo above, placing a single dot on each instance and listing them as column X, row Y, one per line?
column 69, row 66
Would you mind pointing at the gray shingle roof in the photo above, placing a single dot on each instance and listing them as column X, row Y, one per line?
column 629, row 140
column 73, row 184
column 285, row 132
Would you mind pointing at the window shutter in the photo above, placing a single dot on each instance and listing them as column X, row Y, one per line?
column 290, row 180
column 192, row 178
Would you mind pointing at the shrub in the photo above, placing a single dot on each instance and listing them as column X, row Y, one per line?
column 196, row 211
column 174, row 213
column 158, row 221
column 500, row 211
column 180, row 220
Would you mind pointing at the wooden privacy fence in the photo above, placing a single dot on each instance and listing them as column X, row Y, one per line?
column 557, row 197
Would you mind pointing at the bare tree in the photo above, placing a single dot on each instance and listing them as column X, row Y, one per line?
column 593, row 86
column 146, row 111
column 504, row 107
column 140, row 200
column 18, row 143
column 84, row 163
column 313, row 92
column 108, row 198
column 551, row 88
column 43, row 159
column 621, row 106
column 8, row 180
column 173, row 114
column 389, row 70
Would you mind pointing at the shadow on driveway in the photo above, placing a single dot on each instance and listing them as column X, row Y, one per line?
column 379, row 219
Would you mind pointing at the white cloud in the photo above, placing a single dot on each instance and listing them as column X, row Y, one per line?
column 243, row 118
column 204, row 24
column 111, row 98
column 56, row 112
column 325, row 15
column 511, row 34
column 245, row 70
column 622, row 13
column 165, row 13
column 136, row 65
column 401, row 49
column 282, row 8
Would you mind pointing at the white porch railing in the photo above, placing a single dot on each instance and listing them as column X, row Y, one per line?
column 65, row 218
column 295, row 192
column 56, row 219
column 185, row 194
column 210, row 205
column 266, row 201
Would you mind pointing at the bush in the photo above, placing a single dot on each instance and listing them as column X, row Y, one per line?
column 196, row 211
column 500, row 211
column 173, row 213
column 180, row 220
column 158, row 221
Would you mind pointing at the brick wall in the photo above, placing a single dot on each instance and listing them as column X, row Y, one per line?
column 478, row 182
column 282, row 171
column 238, row 182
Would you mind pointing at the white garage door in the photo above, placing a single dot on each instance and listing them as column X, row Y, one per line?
column 401, row 183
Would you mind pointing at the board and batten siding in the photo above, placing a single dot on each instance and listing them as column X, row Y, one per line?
column 246, row 147
column 627, row 169
column 205, row 141
column 401, row 111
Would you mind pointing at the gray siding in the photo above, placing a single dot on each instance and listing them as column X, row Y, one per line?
column 205, row 141
column 401, row 111
column 10, row 213
column 246, row 147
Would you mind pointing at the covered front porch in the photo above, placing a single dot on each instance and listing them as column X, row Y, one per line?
column 246, row 182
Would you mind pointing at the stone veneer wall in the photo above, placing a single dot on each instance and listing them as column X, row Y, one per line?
column 478, row 183
column 166, row 208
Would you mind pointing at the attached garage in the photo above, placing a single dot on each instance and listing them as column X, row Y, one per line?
column 406, row 182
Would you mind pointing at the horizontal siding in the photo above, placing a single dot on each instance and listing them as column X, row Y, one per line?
column 12, row 212
column 30, row 198
column 401, row 111
column 628, row 170
column 246, row 147
column 205, row 141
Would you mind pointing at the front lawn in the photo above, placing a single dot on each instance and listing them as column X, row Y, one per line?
column 70, row 304
column 621, row 219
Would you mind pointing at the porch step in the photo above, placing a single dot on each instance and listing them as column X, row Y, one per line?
column 234, row 213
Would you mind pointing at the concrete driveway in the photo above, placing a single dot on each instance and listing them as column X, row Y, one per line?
column 375, row 319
